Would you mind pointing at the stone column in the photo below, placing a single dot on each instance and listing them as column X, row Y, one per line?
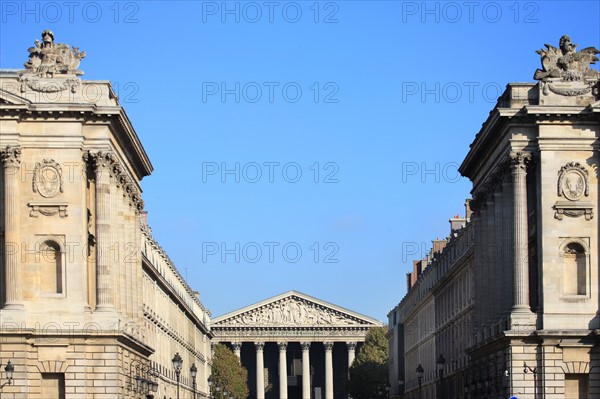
column 237, row 349
column 521, row 255
column 351, row 353
column 305, row 370
column 283, row 384
column 260, row 370
column 11, row 159
column 104, row 292
column 507, row 244
column 328, row 370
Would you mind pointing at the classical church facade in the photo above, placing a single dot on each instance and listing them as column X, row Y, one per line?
column 294, row 346
column 510, row 307
column 90, row 305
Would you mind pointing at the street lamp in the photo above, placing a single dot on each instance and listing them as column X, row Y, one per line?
column 194, row 372
column 420, row 373
column 400, row 387
column 10, row 369
column 527, row 369
column 177, row 363
column 440, row 366
column 210, row 384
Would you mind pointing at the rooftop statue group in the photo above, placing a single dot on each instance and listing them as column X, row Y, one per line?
column 47, row 58
column 566, row 64
column 563, row 64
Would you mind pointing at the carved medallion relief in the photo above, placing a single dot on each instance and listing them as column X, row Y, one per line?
column 573, row 185
column 48, row 183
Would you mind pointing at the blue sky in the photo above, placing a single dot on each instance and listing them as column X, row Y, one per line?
column 303, row 145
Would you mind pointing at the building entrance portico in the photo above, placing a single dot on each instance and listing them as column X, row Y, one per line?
column 294, row 346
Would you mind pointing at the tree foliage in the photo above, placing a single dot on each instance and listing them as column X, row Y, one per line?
column 369, row 371
column 228, row 374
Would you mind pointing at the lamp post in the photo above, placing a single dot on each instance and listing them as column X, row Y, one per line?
column 210, row 385
column 177, row 363
column 10, row 369
column 194, row 372
column 527, row 369
column 440, row 367
column 420, row 373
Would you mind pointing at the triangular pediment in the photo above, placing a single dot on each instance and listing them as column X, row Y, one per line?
column 293, row 309
column 8, row 98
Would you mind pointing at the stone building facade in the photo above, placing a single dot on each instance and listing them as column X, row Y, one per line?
column 524, row 320
column 294, row 346
column 90, row 305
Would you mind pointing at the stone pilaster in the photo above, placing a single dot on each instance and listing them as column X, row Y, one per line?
column 11, row 160
column 102, row 162
column 521, row 307
column 283, row 384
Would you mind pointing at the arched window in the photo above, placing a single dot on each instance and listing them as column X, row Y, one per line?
column 51, row 269
column 574, row 272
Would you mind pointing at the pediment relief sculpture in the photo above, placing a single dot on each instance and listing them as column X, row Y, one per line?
column 290, row 312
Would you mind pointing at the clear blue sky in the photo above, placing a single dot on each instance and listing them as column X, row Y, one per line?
column 381, row 98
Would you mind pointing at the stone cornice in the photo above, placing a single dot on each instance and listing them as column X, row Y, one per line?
column 174, row 335
column 424, row 286
column 105, row 110
column 175, row 297
column 108, row 162
column 147, row 232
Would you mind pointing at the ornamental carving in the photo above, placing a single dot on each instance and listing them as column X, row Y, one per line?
column 520, row 161
column 567, row 72
column 47, row 59
column 11, row 156
column 48, row 209
column 47, row 178
column 565, row 63
column 291, row 312
column 49, row 86
column 573, row 181
column 573, row 184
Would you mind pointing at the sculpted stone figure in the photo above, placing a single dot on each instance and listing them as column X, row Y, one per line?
column 565, row 63
column 48, row 58
column 293, row 312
